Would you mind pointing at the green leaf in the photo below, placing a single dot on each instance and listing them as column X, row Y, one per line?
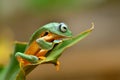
column 1, row 68
column 54, row 54
column 12, row 69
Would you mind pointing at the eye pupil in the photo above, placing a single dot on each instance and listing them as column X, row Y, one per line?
column 63, row 27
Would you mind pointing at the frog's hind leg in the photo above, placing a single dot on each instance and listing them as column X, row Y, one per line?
column 41, row 54
column 29, row 58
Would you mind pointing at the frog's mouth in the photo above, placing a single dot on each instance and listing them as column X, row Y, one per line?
column 50, row 37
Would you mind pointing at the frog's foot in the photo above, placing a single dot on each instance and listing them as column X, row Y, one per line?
column 42, row 57
column 57, row 65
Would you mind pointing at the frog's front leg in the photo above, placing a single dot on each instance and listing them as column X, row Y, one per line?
column 45, row 47
column 29, row 58
column 44, row 44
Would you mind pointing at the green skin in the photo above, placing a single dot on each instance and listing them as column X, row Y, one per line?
column 16, row 72
column 60, row 29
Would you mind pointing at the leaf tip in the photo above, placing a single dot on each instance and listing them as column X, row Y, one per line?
column 92, row 26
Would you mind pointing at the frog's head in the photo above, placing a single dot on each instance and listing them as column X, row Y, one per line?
column 59, row 29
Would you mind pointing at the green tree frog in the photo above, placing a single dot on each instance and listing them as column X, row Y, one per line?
column 42, row 41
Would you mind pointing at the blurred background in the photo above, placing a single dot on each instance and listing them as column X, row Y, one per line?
column 97, row 57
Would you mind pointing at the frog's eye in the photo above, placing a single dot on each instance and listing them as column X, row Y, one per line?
column 62, row 27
